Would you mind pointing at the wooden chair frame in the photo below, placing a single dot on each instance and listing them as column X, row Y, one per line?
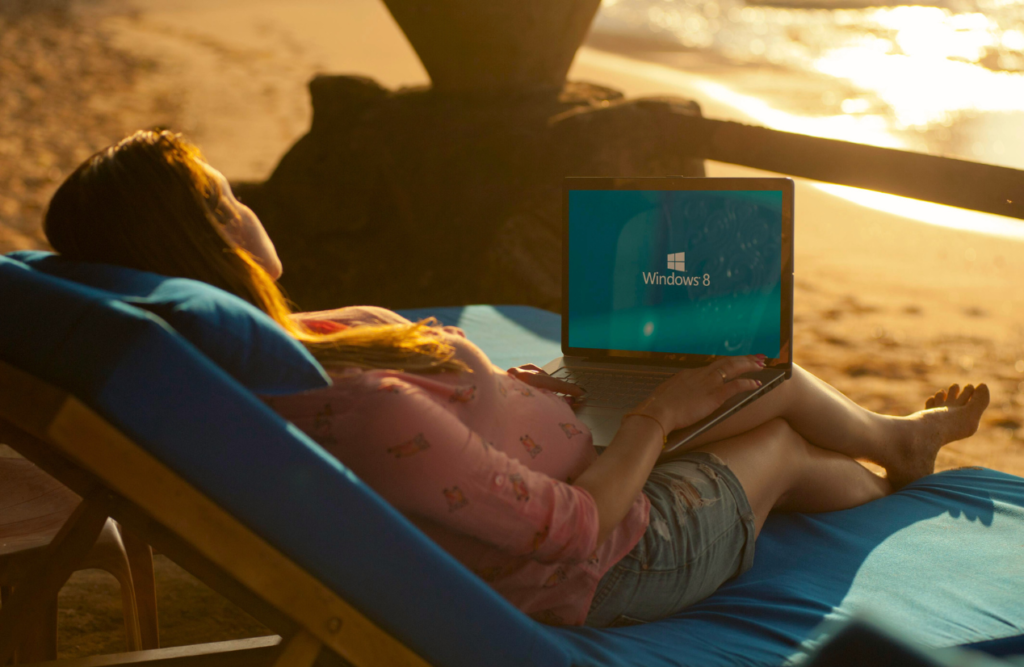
column 118, row 479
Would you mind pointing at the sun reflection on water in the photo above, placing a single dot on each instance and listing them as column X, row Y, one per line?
column 930, row 70
column 929, row 213
column 945, row 79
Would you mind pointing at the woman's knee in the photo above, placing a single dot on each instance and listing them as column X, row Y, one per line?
column 788, row 453
column 790, row 390
column 765, row 456
column 782, row 438
column 766, row 460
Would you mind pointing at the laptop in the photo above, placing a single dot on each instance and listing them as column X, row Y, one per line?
column 660, row 274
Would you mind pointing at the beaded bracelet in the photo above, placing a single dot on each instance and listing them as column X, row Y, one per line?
column 664, row 434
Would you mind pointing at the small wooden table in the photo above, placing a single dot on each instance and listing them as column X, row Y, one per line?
column 33, row 507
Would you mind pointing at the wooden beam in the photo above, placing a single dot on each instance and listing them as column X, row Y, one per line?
column 185, row 555
column 194, row 532
column 943, row 180
column 133, row 473
column 256, row 652
column 27, row 402
column 57, row 465
column 27, row 406
column 58, row 561
column 50, row 460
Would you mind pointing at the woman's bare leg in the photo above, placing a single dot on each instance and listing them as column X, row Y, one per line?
column 905, row 446
column 779, row 469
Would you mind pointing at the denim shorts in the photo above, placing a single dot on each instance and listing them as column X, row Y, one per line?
column 700, row 535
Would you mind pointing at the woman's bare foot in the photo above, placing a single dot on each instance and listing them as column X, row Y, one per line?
column 950, row 415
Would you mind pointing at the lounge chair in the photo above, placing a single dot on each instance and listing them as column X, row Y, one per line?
column 117, row 405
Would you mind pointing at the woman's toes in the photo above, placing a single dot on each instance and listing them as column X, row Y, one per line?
column 980, row 398
column 966, row 394
column 952, row 392
column 930, row 403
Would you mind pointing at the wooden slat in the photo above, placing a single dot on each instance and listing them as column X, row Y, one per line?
column 51, row 461
column 256, row 652
column 27, row 406
column 185, row 555
column 27, row 402
column 131, row 472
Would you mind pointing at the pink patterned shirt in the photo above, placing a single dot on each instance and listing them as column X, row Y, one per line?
column 482, row 463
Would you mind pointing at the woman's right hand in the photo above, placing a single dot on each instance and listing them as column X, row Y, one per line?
column 694, row 393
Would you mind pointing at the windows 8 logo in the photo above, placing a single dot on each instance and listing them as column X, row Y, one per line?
column 676, row 262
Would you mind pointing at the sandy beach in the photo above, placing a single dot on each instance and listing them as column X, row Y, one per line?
column 888, row 308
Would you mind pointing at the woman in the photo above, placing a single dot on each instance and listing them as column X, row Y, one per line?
column 492, row 464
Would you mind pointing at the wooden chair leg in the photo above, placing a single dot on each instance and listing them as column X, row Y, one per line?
column 33, row 595
column 140, row 559
column 108, row 554
column 40, row 640
column 39, row 644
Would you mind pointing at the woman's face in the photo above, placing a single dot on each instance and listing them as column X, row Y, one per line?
column 242, row 228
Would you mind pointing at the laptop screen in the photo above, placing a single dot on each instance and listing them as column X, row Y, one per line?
column 690, row 272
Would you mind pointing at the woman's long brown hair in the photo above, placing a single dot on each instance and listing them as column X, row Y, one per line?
column 147, row 203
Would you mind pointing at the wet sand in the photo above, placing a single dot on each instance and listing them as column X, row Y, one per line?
column 887, row 309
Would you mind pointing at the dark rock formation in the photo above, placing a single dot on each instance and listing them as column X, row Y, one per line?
column 415, row 197
column 487, row 47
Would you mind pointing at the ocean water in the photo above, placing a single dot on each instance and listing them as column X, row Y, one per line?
column 946, row 79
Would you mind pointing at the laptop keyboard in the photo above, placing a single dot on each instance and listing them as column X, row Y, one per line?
column 612, row 389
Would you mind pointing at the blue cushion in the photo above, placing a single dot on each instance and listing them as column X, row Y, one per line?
column 185, row 411
column 941, row 560
column 238, row 337
column 942, row 556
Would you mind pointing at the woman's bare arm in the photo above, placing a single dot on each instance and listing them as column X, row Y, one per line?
column 619, row 474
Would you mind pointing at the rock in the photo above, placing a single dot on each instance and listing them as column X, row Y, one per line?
column 487, row 47
column 415, row 198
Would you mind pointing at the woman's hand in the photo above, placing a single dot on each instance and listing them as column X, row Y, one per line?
column 694, row 393
column 536, row 376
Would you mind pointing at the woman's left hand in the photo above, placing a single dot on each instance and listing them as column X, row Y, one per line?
column 536, row 376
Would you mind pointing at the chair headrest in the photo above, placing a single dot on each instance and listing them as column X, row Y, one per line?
column 232, row 333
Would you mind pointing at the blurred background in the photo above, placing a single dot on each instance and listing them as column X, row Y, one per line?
column 945, row 78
